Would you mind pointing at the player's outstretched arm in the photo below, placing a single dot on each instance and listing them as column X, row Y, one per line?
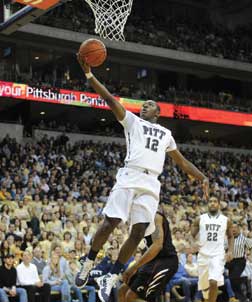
column 189, row 168
column 195, row 227
column 116, row 107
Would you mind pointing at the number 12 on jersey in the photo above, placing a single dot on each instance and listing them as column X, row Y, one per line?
column 152, row 144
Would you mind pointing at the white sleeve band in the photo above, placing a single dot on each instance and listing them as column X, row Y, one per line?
column 89, row 75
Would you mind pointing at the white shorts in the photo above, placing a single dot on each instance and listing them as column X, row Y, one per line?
column 210, row 268
column 136, row 178
column 134, row 198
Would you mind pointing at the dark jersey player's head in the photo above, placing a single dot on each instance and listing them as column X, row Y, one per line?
column 150, row 111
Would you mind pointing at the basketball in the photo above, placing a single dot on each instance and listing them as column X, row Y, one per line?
column 93, row 51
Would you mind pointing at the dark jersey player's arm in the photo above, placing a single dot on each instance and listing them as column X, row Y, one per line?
column 115, row 106
column 157, row 243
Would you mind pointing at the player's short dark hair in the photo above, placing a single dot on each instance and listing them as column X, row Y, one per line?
column 215, row 196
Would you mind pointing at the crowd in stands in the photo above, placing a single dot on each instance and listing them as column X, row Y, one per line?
column 52, row 194
column 162, row 31
column 104, row 129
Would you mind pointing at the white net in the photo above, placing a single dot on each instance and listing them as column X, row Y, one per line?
column 110, row 17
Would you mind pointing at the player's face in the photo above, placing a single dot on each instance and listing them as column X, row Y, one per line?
column 149, row 110
column 213, row 205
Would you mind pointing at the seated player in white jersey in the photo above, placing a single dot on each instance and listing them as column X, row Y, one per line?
column 135, row 196
column 212, row 227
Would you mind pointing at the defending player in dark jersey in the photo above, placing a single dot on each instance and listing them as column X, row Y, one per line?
column 147, row 278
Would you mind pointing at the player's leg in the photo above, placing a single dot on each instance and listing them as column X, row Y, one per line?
column 107, row 282
column 142, row 218
column 114, row 212
column 203, row 271
column 216, row 277
column 125, row 294
column 132, row 297
column 130, row 245
column 151, row 280
column 101, row 236
column 213, row 290
column 122, row 292
column 162, row 272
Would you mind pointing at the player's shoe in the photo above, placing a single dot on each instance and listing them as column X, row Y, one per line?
column 233, row 299
column 81, row 278
column 106, row 283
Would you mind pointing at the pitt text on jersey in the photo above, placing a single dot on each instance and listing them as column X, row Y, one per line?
column 213, row 227
column 154, row 137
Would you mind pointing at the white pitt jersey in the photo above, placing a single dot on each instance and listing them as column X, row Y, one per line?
column 212, row 234
column 147, row 143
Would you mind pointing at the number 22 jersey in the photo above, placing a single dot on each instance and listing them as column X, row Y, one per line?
column 147, row 143
column 212, row 234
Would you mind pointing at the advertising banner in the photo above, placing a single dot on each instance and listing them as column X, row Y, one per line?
column 87, row 99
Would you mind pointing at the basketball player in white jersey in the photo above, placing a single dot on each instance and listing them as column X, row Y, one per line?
column 135, row 196
column 212, row 228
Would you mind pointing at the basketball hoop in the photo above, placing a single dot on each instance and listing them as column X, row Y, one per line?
column 110, row 17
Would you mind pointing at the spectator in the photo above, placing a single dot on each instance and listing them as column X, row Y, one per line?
column 45, row 244
column 67, row 244
column 80, row 248
column 8, row 278
column 38, row 261
column 53, row 275
column 182, row 279
column 22, row 212
column 57, row 249
column 28, row 278
column 70, row 275
column 4, row 249
column 55, row 224
column 5, row 212
column 34, row 223
column 11, row 231
column 19, row 230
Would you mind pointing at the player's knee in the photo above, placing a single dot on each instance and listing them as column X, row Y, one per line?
column 110, row 224
column 138, row 231
column 213, row 283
